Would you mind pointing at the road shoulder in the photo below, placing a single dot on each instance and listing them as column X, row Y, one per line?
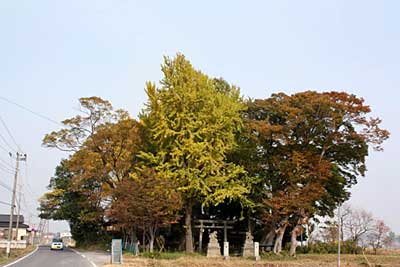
column 12, row 261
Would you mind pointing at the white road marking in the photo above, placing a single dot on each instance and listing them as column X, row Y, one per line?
column 84, row 256
column 20, row 259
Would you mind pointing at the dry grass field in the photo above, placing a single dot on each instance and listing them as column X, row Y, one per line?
column 383, row 259
column 15, row 253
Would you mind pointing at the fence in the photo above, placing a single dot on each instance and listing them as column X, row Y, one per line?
column 20, row 244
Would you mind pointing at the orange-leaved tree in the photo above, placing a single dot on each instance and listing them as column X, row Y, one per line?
column 307, row 149
column 103, row 143
column 147, row 201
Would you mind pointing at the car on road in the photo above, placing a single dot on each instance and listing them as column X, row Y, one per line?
column 57, row 244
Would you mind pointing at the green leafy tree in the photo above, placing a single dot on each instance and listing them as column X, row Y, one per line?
column 64, row 203
column 192, row 121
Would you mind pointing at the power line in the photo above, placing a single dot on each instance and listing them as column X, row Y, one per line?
column 3, row 148
column 5, row 173
column 9, row 133
column 6, row 170
column 27, row 191
column 27, row 184
column 7, row 144
column 31, row 111
column 5, row 186
column 25, row 204
column 5, row 167
column 6, row 163
column 5, row 203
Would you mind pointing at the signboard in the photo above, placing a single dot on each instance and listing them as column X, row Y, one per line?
column 116, row 251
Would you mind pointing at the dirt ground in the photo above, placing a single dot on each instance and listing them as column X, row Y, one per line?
column 307, row 260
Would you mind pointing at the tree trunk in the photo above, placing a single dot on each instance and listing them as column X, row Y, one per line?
column 188, row 225
column 268, row 237
column 134, row 240
column 279, row 236
column 144, row 239
column 151, row 242
column 293, row 241
column 133, row 235
column 152, row 236
column 125, row 238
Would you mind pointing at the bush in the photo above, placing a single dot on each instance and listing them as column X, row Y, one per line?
column 347, row 247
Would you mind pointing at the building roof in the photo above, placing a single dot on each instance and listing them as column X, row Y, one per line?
column 14, row 225
column 5, row 218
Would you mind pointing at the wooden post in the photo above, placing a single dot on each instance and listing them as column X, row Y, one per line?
column 201, row 237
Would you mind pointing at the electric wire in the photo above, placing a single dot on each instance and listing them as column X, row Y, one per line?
column 9, row 133
column 25, row 204
column 4, row 185
column 6, row 163
column 4, row 149
column 7, row 144
column 28, row 192
column 31, row 111
column 28, row 188
column 5, row 203
column 7, row 167
column 27, row 184
column 6, row 170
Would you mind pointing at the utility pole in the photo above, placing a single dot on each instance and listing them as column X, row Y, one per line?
column 19, row 158
column 42, row 230
column 18, row 211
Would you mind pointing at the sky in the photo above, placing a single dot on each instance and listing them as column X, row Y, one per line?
column 53, row 52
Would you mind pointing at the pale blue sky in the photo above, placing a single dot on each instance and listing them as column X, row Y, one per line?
column 53, row 52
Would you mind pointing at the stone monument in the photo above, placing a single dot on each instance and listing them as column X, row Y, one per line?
column 213, row 248
column 248, row 247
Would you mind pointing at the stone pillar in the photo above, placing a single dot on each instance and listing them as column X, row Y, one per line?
column 213, row 248
column 226, row 250
column 256, row 251
column 225, row 232
column 248, row 247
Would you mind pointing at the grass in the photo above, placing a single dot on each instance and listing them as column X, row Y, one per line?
column 94, row 247
column 167, row 255
column 15, row 254
column 391, row 259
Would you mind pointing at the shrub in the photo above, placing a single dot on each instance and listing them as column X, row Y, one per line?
column 347, row 247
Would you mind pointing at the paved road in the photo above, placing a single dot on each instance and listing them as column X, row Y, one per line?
column 44, row 257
